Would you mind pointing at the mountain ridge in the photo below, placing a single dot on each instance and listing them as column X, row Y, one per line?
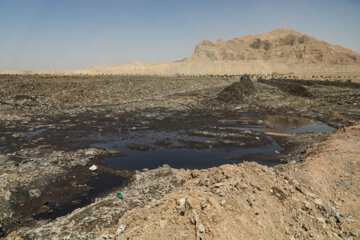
column 280, row 45
column 281, row 51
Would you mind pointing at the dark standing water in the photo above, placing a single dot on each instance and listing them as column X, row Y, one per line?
column 190, row 143
column 77, row 195
column 224, row 141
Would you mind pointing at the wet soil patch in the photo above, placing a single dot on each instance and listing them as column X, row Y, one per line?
column 78, row 188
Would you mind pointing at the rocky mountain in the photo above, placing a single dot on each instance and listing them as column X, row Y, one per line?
column 279, row 45
column 281, row 51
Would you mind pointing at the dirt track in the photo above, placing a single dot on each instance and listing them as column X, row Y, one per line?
column 48, row 125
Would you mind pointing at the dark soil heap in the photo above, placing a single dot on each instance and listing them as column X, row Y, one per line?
column 237, row 91
column 292, row 88
column 295, row 89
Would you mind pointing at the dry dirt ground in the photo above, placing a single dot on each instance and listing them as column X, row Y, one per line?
column 48, row 123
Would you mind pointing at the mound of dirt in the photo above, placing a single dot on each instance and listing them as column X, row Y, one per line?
column 292, row 88
column 237, row 91
column 316, row 199
column 295, row 89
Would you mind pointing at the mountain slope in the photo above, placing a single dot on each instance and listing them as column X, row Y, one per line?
column 281, row 51
column 279, row 45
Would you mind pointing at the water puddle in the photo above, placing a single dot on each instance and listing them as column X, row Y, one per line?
column 312, row 127
column 216, row 142
column 154, row 140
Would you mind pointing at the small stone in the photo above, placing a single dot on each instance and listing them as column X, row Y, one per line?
column 75, row 202
column 34, row 193
column 217, row 185
column 182, row 202
column 355, row 232
column 162, row 223
column 318, row 202
column 195, row 173
column 201, row 228
column 16, row 135
column 90, row 152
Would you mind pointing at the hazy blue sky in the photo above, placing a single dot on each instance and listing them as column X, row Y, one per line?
column 74, row 34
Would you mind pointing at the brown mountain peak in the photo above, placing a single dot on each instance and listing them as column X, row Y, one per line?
column 279, row 45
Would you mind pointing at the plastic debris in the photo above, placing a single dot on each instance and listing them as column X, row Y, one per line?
column 182, row 202
column 120, row 195
column 93, row 168
column 88, row 218
column 120, row 230
column 336, row 216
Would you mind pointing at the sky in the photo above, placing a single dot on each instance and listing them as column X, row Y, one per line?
column 75, row 34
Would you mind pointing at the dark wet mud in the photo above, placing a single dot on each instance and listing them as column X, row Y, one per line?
column 159, row 138
column 78, row 188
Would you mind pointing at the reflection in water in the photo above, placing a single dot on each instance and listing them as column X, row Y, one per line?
column 264, row 150
column 283, row 123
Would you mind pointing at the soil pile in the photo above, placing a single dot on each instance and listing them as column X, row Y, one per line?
column 289, row 87
column 317, row 199
column 237, row 91
column 295, row 89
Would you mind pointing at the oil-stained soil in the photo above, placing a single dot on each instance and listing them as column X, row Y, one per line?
column 54, row 129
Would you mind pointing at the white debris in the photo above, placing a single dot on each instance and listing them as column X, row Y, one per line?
column 182, row 202
column 93, row 167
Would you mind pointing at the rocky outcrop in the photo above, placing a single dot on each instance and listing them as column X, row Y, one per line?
column 280, row 45
column 281, row 51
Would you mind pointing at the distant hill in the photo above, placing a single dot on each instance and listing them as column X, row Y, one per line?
column 281, row 51
column 280, row 45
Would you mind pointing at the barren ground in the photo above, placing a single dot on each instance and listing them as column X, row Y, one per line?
column 53, row 128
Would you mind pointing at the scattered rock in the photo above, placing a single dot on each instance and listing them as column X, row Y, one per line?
column 120, row 229
column 34, row 193
column 318, row 202
column 16, row 135
column 90, row 152
column 182, row 202
column 201, row 228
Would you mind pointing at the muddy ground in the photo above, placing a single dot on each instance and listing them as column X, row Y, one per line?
column 54, row 128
